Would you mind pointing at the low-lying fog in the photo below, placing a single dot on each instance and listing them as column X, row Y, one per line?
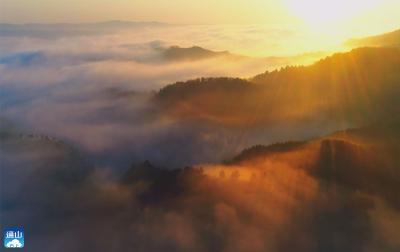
column 93, row 87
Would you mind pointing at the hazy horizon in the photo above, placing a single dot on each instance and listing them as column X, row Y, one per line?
column 336, row 18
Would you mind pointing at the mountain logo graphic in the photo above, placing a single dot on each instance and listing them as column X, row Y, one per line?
column 14, row 238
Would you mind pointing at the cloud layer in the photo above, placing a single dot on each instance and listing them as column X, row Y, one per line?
column 93, row 89
column 89, row 101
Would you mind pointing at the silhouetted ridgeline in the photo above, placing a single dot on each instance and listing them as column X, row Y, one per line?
column 176, row 53
column 360, row 86
column 202, row 85
column 262, row 150
column 363, row 159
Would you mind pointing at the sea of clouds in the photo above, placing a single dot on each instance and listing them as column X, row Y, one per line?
column 92, row 86
column 93, row 90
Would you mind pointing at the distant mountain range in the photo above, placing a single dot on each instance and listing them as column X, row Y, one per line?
column 176, row 53
column 70, row 29
column 196, row 53
column 390, row 39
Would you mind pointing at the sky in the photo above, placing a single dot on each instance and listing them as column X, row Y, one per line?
column 340, row 17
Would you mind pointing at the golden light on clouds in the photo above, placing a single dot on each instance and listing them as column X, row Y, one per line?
column 253, row 27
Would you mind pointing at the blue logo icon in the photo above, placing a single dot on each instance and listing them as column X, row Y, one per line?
column 14, row 238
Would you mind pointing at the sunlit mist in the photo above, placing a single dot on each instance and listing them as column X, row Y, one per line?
column 201, row 126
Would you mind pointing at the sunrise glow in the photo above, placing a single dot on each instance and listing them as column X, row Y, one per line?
column 200, row 126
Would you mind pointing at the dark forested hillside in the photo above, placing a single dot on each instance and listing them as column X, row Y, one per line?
column 359, row 86
column 329, row 186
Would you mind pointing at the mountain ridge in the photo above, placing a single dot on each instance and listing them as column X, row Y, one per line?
column 263, row 99
column 389, row 39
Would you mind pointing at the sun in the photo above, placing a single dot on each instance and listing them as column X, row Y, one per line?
column 320, row 13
